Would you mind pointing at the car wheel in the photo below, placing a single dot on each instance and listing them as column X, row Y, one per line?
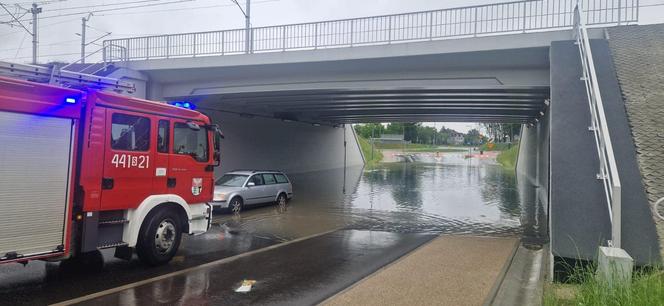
column 282, row 199
column 235, row 205
column 159, row 238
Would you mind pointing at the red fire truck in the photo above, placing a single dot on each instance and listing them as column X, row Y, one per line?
column 84, row 169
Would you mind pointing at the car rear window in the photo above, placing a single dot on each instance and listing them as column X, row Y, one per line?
column 281, row 179
column 269, row 179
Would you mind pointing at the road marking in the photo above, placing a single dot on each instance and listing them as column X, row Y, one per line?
column 187, row 270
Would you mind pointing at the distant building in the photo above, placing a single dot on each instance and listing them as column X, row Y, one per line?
column 456, row 138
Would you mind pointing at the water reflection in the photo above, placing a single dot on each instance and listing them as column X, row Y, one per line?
column 469, row 197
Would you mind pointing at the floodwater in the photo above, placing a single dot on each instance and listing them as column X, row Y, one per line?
column 438, row 193
column 444, row 193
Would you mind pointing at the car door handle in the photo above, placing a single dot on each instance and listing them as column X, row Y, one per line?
column 170, row 182
column 107, row 183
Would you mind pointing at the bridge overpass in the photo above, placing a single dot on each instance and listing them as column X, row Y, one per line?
column 285, row 98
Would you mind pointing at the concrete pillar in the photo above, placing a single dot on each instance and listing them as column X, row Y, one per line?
column 614, row 266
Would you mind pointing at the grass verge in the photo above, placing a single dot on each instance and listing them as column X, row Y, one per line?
column 646, row 288
column 366, row 150
column 418, row 147
column 507, row 158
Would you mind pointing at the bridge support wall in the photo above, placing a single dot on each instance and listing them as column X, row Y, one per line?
column 264, row 143
column 533, row 179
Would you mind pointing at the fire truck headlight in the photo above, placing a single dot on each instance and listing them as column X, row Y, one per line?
column 219, row 197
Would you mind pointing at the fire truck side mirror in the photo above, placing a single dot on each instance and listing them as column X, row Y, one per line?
column 217, row 158
column 217, row 146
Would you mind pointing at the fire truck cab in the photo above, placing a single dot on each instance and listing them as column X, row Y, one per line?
column 83, row 170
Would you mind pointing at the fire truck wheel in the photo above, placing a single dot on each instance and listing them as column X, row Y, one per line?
column 160, row 236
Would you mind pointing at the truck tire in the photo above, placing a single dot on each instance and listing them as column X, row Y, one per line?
column 159, row 238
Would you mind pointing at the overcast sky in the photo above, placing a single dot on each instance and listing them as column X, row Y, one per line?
column 61, row 20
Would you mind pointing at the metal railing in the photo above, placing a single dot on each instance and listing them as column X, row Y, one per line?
column 481, row 20
column 608, row 170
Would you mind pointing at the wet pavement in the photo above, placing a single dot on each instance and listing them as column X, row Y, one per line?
column 303, row 273
column 444, row 193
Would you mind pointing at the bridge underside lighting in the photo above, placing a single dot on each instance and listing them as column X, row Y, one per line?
column 70, row 100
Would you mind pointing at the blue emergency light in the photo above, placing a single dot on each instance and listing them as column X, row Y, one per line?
column 183, row 104
column 70, row 100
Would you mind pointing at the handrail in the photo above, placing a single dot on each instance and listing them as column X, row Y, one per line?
column 470, row 21
column 66, row 67
column 55, row 75
column 608, row 170
column 656, row 208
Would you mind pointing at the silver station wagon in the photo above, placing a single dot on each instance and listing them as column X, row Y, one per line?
column 241, row 188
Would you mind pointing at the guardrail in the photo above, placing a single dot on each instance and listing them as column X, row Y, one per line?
column 481, row 20
column 608, row 169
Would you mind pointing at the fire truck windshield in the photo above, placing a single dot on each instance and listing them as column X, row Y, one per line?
column 190, row 142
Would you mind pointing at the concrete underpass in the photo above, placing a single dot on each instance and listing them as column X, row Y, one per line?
column 528, row 78
column 293, row 111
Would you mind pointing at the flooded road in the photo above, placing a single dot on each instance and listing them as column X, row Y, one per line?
column 445, row 193
column 450, row 195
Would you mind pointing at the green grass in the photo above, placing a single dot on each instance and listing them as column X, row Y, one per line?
column 366, row 150
column 436, row 149
column 398, row 146
column 646, row 288
column 507, row 158
column 418, row 147
column 496, row 147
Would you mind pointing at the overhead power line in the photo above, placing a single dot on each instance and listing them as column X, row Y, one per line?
column 180, row 9
column 46, row 2
column 46, row 55
column 114, row 9
column 101, row 5
column 93, row 6
column 66, row 42
column 46, row 26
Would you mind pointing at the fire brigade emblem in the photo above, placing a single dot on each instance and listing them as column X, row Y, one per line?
column 196, row 186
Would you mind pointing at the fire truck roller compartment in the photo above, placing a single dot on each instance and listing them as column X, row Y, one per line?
column 84, row 170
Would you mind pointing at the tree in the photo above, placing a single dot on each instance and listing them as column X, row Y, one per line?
column 502, row 132
column 408, row 130
column 473, row 138
column 369, row 130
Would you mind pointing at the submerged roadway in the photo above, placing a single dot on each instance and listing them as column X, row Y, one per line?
column 342, row 226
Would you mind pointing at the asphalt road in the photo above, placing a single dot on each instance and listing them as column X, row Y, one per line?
column 41, row 283
column 302, row 273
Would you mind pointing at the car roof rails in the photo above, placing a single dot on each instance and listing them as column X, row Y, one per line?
column 254, row 170
column 53, row 75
